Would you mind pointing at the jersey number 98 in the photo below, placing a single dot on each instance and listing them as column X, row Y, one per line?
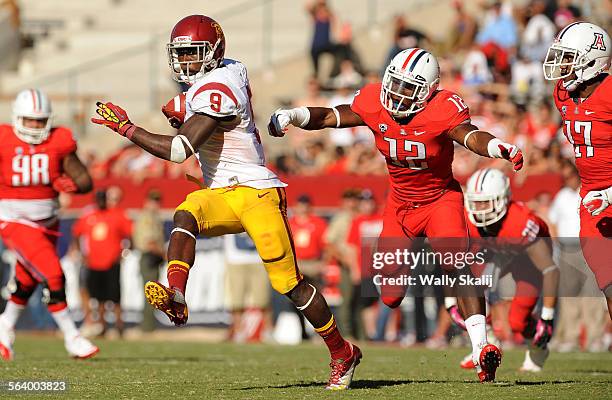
column 30, row 170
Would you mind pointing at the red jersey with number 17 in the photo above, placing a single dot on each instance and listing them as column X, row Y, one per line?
column 419, row 154
column 587, row 124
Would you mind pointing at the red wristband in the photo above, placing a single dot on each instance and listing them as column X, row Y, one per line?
column 127, row 130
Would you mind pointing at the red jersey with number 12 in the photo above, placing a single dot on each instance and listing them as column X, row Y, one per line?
column 419, row 154
column 588, row 126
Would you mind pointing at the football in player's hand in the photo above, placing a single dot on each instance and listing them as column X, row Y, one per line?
column 174, row 110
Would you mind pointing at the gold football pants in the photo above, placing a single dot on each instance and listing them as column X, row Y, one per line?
column 262, row 213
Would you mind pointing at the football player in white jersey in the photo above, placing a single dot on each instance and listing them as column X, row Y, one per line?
column 240, row 194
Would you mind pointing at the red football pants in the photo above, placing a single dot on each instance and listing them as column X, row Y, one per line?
column 595, row 240
column 37, row 263
column 442, row 221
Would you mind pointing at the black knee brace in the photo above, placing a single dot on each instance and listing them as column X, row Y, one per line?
column 22, row 292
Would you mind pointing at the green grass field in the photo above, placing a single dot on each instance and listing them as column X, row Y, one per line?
column 161, row 370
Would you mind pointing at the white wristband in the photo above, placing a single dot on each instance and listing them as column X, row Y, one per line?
column 337, row 114
column 299, row 116
column 547, row 314
column 465, row 139
column 493, row 148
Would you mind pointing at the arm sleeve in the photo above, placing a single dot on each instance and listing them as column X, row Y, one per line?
column 214, row 99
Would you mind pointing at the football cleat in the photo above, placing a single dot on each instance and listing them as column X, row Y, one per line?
column 167, row 300
column 488, row 361
column 342, row 370
column 467, row 362
column 80, row 348
column 535, row 358
column 7, row 337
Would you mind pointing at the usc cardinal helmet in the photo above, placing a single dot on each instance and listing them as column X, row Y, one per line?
column 196, row 39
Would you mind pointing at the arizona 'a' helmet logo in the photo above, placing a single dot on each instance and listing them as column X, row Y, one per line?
column 598, row 42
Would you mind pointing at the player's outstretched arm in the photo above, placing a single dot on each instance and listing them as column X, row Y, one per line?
column 313, row 118
column 485, row 144
column 540, row 253
column 77, row 180
column 191, row 135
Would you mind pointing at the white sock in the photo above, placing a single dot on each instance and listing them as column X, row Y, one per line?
column 476, row 326
column 65, row 323
column 11, row 313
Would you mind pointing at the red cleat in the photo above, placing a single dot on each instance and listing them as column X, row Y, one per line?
column 467, row 362
column 488, row 361
column 167, row 300
column 343, row 370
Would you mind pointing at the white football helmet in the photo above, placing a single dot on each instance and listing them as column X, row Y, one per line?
column 409, row 81
column 487, row 196
column 580, row 48
column 34, row 104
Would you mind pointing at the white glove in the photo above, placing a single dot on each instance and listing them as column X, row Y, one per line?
column 507, row 151
column 280, row 119
column 596, row 201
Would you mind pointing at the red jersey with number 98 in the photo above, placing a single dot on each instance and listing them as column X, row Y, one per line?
column 419, row 154
column 587, row 124
column 27, row 172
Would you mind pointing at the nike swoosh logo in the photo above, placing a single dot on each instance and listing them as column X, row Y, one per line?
column 260, row 195
column 419, row 133
column 589, row 112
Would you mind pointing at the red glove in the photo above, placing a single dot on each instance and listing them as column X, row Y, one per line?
column 174, row 110
column 65, row 184
column 511, row 153
column 115, row 118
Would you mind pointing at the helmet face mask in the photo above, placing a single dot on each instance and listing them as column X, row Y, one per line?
column 32, row 116
column 409, row 81
column 184, row 57
column 403, row 95
column 487, row 197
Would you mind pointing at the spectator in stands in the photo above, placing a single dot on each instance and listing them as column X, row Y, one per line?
column 313, row 157
column 405, row 37
column 347, row 77
column 149, row 239
column 365, row 227
column 463, row 30
column 538, row 34
column 308, row 232
column 336, row 239
column 344, row 51
column 499, row 28
column 247, row 289
column 10, row 35
column 579, row 304
column 475, row 70
column 102, row 231
column 323, row 24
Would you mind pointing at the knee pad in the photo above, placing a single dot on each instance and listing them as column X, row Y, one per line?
column 22, row 292
column 270, row 246
column 193, row 207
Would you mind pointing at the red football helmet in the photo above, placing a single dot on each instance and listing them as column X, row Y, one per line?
column 199, row 36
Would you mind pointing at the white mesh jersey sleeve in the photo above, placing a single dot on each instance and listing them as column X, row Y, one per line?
column 215, row 99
